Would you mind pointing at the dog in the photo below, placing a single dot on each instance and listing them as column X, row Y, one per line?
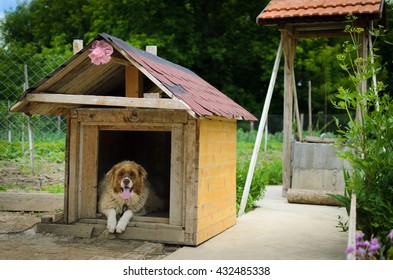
column 125, row 191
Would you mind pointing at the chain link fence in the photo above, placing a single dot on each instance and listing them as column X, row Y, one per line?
column 15, row 69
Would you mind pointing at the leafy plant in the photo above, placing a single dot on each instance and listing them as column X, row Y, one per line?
column 257, row 188
column 366, row 141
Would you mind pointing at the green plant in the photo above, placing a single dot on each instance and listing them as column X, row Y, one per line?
column 366, row 142
column 56, row 189
column 257, row 188
column 268, row 170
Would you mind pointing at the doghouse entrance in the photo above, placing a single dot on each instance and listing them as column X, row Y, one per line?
column 151, row 149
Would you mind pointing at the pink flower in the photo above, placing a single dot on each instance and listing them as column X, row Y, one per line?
column 100, row 52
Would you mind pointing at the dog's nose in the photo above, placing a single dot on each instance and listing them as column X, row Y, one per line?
column 126, row 181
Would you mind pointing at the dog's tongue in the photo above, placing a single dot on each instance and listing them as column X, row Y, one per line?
column 126, row 194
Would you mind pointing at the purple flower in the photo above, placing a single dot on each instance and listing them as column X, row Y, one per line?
column 374, row 245
column 350, row 249
column 361, row 253
column 359, row 236
column 364, row 244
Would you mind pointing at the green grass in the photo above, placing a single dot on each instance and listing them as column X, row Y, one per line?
column 268, row 170
column 51, row 151
column 56, row 189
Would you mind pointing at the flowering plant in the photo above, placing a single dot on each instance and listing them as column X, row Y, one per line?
column 100, row 52
column 372, row 250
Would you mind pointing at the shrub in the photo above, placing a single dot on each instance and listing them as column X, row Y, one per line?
column 368, row 140
column 257, row 188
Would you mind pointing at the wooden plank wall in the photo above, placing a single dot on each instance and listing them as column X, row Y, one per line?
column 217, row 178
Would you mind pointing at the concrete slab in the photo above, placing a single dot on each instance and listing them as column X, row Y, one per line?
column 276, row 230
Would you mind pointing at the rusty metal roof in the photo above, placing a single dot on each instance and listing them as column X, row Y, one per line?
column 184, row 84
column 104, row 85
column 286, row 11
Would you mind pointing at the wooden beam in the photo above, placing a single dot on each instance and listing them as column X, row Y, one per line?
column 289, row 47
column 12, row 201
column 134, row 82
column 87, row 206
column 106, row 101
column 73, row 162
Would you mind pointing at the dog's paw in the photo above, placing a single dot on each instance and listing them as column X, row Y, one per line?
column 111, row 226
column 121, row 226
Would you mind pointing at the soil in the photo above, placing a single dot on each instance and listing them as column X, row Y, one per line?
column 20, row 241
column 18, row 176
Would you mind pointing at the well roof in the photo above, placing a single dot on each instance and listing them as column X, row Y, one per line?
column 292, row 11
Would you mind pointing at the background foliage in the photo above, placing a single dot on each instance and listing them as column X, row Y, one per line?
column 219, row 40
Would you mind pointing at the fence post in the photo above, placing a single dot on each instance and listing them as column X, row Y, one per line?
column 30, row 132
column 9, row 122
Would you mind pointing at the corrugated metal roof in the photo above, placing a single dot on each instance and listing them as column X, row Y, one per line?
column 184, row 84
column 278, row 11
column 79, row 77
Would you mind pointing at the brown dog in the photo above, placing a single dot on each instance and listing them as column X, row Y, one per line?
column 125, row 191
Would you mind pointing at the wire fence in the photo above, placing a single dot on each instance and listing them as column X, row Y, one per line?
column 13, row 126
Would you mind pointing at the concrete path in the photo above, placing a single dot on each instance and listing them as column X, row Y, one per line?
column 276, row 230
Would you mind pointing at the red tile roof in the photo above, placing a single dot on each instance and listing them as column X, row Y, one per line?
column 199, row 95
column 278, row 11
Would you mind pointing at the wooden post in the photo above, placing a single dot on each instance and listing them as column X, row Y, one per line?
column 9, row 122
column 151, row 49
column 30, row 132
column 362, row 86
column 298, row 122
column 262, row 123
column 370, row 47
column 77, row 45
column 134, row 82
column 289, row 45
column 309, row 108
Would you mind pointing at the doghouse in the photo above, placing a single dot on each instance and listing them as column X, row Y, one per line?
column 137, row 106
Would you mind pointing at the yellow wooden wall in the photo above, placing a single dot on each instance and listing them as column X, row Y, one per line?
column 216, row 177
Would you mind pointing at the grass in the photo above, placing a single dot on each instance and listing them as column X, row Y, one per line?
column 268, row 170
column 16, row 173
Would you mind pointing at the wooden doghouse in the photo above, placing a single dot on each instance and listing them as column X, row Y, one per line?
column 141, row 107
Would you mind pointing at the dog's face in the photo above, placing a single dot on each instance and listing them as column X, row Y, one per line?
column 127, row 178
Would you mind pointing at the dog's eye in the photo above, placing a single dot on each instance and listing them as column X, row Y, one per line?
column 121, row 173
column 132, row 174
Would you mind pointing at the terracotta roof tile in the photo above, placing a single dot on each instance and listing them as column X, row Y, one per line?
column 291, row 9
column 199, row 95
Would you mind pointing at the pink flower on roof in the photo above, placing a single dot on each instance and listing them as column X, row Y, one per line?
column 100, row 52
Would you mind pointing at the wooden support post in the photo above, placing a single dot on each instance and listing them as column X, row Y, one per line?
column 362, row 86
column 289, row 45
column 297, row 115
column 87, row 195
column 71, row 198
column 309, row 108
column 134, row 82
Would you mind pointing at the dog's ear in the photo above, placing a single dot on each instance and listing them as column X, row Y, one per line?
column 142, row 172
column 111, row 172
